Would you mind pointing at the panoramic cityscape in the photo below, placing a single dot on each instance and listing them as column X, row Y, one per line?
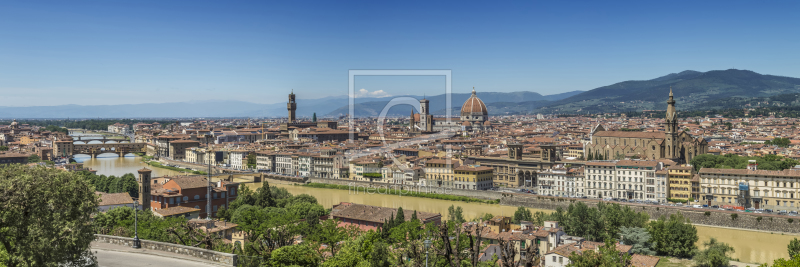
column 378, row 134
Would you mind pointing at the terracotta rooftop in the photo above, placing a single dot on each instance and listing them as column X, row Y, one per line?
column 376, row 214
column 107, row 199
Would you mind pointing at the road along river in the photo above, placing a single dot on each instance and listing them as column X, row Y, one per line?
column 750, row 246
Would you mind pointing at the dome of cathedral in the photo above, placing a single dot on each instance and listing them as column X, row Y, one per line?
column 474, row 106
column 13, row 123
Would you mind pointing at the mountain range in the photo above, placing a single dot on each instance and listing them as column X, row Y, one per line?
column 693, row 90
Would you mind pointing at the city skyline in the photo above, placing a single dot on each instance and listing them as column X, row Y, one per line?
column 121, row 53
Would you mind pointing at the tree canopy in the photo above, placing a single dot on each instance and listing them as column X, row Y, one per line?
column 733, row 161
column 45, row 217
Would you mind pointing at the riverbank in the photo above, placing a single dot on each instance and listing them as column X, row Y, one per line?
column 410, row 193
column 752, row 246
column 157, row 164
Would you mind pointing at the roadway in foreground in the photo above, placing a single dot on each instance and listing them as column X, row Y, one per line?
column 116, row 255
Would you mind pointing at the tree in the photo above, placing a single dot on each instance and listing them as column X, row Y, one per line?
column 637, row 237
column 251, row 160
column 300, row 255
column 45, row 217
column 455, row 214
column 522, row 214
column 487, row 216
column 263, row 196
column 379, row 256
column 715, row 254
column 675, row 237
column 401, row 217
column 331, row 234
column 793, row 262
column 34, row 158
column 607, row 256
column 314, row 117
column 3, row 148
column 794, row 248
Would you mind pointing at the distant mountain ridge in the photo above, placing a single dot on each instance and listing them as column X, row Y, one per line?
column 230, row 108
column 692, row 89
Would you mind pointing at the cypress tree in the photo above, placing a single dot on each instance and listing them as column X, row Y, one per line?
column 401, row 217
column 414, row 216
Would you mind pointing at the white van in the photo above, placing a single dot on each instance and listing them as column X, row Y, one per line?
column 697, row 206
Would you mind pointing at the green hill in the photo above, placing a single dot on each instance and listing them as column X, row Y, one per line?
column 693, row 90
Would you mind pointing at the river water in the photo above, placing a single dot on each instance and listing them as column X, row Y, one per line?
column 750, row 246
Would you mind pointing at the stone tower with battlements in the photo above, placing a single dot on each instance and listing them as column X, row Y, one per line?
column 292, row 107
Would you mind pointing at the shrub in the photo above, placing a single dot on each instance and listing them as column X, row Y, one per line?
column 734, row 216
column 790, row 220
column 707, row 213
column 758, row 218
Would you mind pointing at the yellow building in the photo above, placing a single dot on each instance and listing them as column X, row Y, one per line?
column 439, row 172
column 680, row 182
column 27, row 140
column 753, row 188
column 473, row 177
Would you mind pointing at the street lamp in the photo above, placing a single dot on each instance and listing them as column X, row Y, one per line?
column 427, row 246
column 136, row 242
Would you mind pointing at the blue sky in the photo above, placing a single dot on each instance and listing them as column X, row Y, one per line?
column 127, row 52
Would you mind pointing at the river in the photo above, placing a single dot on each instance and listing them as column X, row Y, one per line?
column 750, row 246
column 111, row 164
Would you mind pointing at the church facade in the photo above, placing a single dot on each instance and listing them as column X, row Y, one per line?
column 673, row 143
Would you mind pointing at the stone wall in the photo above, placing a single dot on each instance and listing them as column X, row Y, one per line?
column 226, row 259
column 744, row 220
column 481, row 194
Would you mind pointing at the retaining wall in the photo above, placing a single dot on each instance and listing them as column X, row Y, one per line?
column 226, row 259
column 744, row 220
column 481, row 194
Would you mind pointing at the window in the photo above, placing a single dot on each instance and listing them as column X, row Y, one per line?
column 196, row 197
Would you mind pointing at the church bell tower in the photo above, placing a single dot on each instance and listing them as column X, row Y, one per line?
column 671, row 128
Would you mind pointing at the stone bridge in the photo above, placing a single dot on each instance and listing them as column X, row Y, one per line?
column 103, row 140
column 117, row 148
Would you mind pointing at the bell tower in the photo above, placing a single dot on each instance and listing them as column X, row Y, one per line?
column 291, row 106
column 144, row 188
column 671, row 128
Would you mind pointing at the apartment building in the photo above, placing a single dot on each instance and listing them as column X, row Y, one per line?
column 631, row 176
column 322, row 164
column 626, row 179
column 751, row 188
column 561, row 181
column 177, row 148
column 265, row 160
column 680, row 182
column 284, row 163
column 600, row 177
column 439, row 172
column 238, row 159
column 473, row 177
column 361, row 166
